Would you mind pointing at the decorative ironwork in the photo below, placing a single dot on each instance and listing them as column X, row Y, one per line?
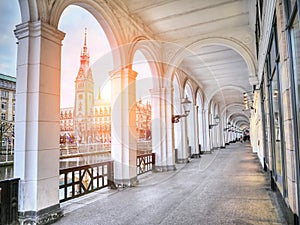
column 78, row 181
column 145, row 163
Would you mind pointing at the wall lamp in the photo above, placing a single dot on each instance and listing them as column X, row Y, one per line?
column 186, row 103
column 217, row 120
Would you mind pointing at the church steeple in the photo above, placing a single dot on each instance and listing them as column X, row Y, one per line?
column 84, row 70
column 99, row 95
column 84, row 96
column 84, row 49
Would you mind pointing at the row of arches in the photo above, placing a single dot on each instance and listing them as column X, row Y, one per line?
column 39, row 72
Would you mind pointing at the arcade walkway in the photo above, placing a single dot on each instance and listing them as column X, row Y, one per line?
column 225, row 187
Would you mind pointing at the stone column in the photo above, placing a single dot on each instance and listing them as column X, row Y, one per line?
column 123, row 126
column 222, row 134
column 200, row 129
column 227, row 137
column 191, row 131
column 206, row 137
column 36, row 159
column 162, row 129
column 196, row 152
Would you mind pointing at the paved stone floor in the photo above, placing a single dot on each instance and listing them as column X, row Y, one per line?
column 225, row 187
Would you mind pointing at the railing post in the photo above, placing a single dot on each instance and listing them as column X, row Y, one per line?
column 111, row 182
column 153, row 161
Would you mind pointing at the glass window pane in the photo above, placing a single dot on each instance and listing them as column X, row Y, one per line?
column 295, row 40
column 295, row 36
column 276, row 117
column 272, row 55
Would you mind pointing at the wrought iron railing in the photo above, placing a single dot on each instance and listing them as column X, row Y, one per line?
column 145, row 163
column 78, row 181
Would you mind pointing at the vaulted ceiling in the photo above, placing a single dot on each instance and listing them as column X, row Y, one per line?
column 218, row 67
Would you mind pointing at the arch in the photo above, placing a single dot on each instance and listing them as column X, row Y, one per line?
column 232, row 43
column 105, row 17
column 229, row 117
column 235, row 117
column 188, row 90
column 241, row 122
column 209, row 98
column 199, row 98
column 29, row 11
column 227, row 107
column 147, row 47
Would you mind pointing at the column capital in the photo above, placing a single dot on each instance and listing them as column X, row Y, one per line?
column 159, row 91
column 122, row 73
column 39, row 29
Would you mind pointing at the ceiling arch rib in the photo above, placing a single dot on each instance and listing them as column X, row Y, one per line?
column 217, row 53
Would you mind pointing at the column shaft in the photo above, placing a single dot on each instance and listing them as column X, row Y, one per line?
column 162, row 129
column 123, row 130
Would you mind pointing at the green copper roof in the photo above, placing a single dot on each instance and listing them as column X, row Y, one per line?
column 7, row 77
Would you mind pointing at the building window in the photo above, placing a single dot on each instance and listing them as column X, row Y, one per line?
column 3, row 106
column 3, row 116
column 4, row 94
column 273, row 79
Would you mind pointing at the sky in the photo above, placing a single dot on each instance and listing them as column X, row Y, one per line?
column 73, row 22
column 10, row 17
column 98, row 48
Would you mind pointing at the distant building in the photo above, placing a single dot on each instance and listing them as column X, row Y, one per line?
column 8, row 102
column 66, row 120
column 143, row 120
column 102, row 119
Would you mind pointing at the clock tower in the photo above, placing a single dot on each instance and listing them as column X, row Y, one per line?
column 84, row 98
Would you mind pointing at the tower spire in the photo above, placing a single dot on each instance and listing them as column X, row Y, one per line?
column 84, row 70
column 99, row 94
column 84, row 36
column 84, row 50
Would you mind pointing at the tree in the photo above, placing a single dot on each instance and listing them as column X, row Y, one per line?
column 6, row 130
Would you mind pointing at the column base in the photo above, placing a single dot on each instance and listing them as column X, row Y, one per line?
column 164, row 168
column 208, row 152
column 194, row 155
column 126, row 182
column 44, row 216
column 182, row 161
